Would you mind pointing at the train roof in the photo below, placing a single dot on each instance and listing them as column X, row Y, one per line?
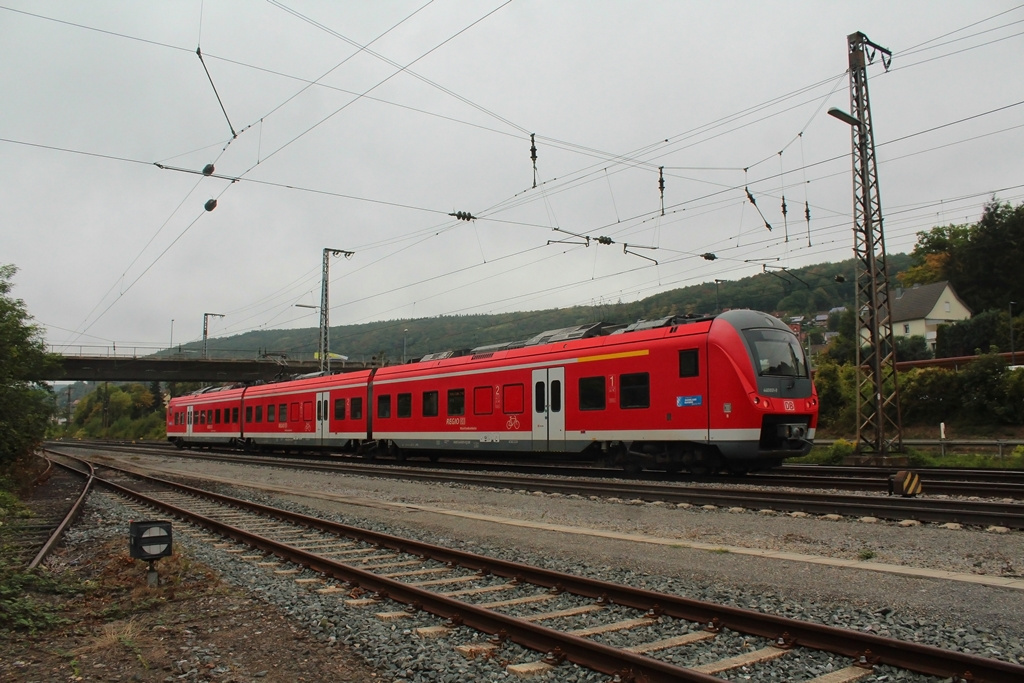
column 572, row 333
column 740, row 318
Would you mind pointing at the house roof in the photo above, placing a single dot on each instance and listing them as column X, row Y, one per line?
column 918, row 301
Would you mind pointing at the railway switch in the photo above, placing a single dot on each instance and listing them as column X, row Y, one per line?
column 906, row 483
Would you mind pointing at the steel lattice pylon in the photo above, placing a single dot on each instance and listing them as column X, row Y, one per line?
column 324, row 350
column 879, row 425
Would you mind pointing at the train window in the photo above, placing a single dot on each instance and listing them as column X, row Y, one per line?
column 556, row 396
column 307, row 411
column 430, row 403
column 404, row 406
column 357, row 408
column 294, row 415
column 635, row 390
column 592, row 393
column 248, row 414
column 483, row 401
column 259, row 413
column 384, row 406
column 202, row 417
column 776, row 352
column 234, row 415
column 689, row 363
column 271, row 413
column 339, row 409
column 319, row 411
column 456, row 401
column 512, row 398
column 539, row 404
column 282, row 412
column 216, row 416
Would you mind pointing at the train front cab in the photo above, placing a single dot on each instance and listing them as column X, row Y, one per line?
column 763, row 406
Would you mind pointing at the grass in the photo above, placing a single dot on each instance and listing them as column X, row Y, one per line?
column 834, row 455
column 26, row 597
column 866, row 554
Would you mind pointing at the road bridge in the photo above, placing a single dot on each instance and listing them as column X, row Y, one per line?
column 151, row 368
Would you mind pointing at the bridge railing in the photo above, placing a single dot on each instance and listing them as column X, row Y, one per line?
column 109, row 351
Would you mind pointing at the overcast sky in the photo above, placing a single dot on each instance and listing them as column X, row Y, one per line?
column 370, row 150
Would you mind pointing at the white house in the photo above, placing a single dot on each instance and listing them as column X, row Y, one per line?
column 920, row 310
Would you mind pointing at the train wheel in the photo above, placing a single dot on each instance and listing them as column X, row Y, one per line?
column 397, row 453
column 433, row 457
column 632, row 467
column 179, row 444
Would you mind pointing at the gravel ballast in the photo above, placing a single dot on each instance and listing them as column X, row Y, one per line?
column 966, row 617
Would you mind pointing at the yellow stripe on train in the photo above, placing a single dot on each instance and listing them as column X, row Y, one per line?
column 613, row 356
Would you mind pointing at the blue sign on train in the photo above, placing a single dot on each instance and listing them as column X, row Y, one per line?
column 686, row 401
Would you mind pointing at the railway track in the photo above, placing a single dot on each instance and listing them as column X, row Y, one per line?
column 55, row 504
column 748, row 494
column 537, row 618
column 936, row 481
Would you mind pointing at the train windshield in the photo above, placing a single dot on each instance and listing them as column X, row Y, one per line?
column 777, row 353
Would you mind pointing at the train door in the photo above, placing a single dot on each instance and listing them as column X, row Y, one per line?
column 188, row 422
column 323, row 417
column 548, row 410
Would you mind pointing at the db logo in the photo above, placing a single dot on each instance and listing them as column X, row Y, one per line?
column 789, row 406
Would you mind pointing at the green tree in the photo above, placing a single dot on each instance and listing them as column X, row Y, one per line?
column 968, row 337
column 981, row 261
column 912, row 348
column 26, row 403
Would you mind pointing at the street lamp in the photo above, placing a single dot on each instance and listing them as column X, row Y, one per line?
column 172, row 335
column 1013, row 354
column 838, row 113
column 206, row 323
column 718, row 308
column 404, row 333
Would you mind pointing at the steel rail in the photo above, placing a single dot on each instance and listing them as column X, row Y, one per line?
column 862, row 477
column 70, row 518
column 587, row 653
column 971, row 512
column 786, row 632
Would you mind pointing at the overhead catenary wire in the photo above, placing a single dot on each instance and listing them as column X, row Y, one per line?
column 806, row 204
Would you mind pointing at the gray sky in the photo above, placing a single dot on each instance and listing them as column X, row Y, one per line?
column 371, row 158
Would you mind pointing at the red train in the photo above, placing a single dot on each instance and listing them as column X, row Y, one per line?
column 731, row 391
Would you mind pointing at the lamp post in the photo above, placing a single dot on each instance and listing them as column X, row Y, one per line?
column 404, row 333
column 718, row 307
column 206, row 323
column 1013, row 353
column 172, row 335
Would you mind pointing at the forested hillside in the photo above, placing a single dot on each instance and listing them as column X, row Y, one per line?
column 801, row 291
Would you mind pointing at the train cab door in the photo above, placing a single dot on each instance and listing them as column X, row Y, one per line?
column 188, row 422
column 549, row 410
column 323, row 417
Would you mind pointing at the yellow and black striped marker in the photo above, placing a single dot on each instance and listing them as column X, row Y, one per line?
column 905, row 483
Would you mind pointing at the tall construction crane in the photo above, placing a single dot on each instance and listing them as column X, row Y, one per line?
column 879, row 425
